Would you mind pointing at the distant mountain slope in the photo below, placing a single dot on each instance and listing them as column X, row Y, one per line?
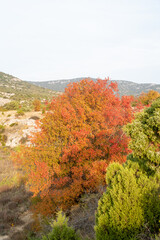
column 15, row 89
column 58, row 85
column 131, row 88
column 125, row 87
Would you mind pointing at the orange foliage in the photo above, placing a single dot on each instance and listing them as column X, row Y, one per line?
column 145, row 99
column 80, row 135
column 148, row 98
column 37, row 105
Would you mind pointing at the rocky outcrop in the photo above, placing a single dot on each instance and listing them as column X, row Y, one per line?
column 3, row 101
column 18, row 129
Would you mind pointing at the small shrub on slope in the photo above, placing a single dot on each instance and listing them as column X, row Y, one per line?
column 20, row 112
column 61, row 230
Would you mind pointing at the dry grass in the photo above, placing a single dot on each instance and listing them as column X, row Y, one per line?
column 9, row 176
column 14, row 199
column 82, row 215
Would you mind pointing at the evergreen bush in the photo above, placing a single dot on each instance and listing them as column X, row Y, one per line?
column 132, row 201
column 119, row 211
column 61, row 230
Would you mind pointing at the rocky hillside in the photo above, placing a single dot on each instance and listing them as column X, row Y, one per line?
column 125, row 87
column 15, row 130
column 12, row 88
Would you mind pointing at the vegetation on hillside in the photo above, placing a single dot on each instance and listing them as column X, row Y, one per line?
column 82, row 138
column 145, row 99
column 130, row 207
column 21, row 93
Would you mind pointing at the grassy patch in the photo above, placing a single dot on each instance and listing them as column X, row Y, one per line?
column 10, row 181
column 2, row 128
column 13, row 124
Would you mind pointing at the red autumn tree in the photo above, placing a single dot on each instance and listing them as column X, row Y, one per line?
column 80, row 135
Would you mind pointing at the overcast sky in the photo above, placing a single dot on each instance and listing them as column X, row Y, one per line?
column 44, row 40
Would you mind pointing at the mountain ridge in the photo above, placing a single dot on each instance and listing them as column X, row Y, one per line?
column 125, row 87
column 14, row 88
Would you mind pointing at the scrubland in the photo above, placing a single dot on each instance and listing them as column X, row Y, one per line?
column 89, row 171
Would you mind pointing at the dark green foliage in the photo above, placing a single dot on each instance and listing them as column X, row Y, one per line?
column 13, row 124
column 31, row 236
column 145, row 138
column 3, row 137
column 2, row 128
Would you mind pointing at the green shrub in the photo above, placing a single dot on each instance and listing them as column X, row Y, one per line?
column 13, row 124
column 43, row 110
column 3, row 139
column 61, row 230
column 2, row 128
column 119, row 211
column 31, row 236
column 26, row 108
column 156, row 237
column 11, row 105
column 20, row 112
column 144, row 132
column 131, row 200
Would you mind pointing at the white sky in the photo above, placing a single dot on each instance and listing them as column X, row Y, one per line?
column 44, row 40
